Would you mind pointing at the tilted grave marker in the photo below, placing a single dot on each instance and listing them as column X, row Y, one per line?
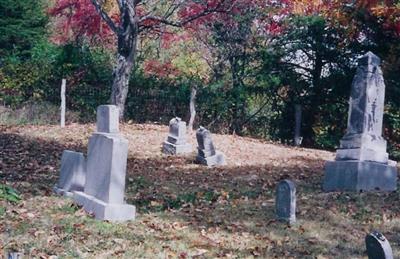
column 207, row 154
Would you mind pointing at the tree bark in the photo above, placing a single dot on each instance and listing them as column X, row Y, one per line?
column 122, row 73
column 128, row 34
column 192, row 106
column 297, row 128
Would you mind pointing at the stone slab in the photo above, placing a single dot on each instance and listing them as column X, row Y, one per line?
column 361, row 154
column 105, row 211
column 106, row 167
column 216, row 160
column 359, row 176
column 72, row 173
column 63, row 192
column 204, row 141
column 285, row 201
column 172, row 149
column 107, row 119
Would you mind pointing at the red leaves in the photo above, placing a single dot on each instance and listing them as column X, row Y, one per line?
column 77, row 18
column 161, row 70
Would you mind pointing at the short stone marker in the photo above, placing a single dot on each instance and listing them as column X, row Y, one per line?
column 361, row 162
column 207, row 155
column 72, row 175
column 107, row 119
column 378, row 246
column 285, row 201
column 104, row 189
column 176, row 142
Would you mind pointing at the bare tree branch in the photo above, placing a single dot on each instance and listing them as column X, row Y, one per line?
column 164, row 20
column 105, row 16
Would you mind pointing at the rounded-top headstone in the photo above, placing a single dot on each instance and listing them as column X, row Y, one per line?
column 378, row 246
column 285, row 203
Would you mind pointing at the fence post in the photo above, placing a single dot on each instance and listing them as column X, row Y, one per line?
column 63, row 86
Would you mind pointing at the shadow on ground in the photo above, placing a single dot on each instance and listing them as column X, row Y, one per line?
column 234, row 201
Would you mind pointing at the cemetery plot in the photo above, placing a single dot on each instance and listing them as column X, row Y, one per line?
column 185, row 209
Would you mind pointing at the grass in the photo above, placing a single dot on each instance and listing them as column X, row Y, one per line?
column 186, row 210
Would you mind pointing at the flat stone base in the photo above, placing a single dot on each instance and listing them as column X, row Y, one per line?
column 63, row 192
column 105, row 211
column 172, row 149
column 217, row 159
column 359, row 176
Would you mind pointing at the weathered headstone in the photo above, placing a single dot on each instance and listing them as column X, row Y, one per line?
column 107, row 119
column 378, row 246
column 207, row 154
column 104, row 189
column 73, row 173
column 361, row 162
column 285, row 201
column 176, row 142
column 14, row 255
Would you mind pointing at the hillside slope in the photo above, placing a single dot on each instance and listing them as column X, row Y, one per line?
column 184, row 209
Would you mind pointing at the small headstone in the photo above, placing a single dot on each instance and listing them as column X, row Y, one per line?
column 14, row 255
column 104, row 189
column 285, row 202
column 362, row 162
column 378, row 246
column 107, row 119
column 207, row 154
column 73, row 173
column 176, row 142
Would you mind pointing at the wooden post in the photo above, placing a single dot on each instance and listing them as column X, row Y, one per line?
column 297, row 130
column 63, row 86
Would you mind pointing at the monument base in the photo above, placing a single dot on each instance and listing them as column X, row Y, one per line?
column 63, row 192
column 172, row 149
column 105, row 211
column 217, row 159
column 359, row 176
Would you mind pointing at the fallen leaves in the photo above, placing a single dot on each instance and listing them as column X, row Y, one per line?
column 184, row 210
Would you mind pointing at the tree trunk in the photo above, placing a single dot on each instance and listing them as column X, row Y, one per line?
column 192, row 107
column 122, row 73
column 297, row 128
column 128, row 35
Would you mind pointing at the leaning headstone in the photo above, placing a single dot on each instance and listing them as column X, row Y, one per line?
column 176, row 142
column 285, row 201
column 72, row 175
column 378, row 246
column 207, row 154
column 361, row 162
column 104, row 190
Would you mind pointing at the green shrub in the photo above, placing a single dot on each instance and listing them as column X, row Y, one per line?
column 9, row 194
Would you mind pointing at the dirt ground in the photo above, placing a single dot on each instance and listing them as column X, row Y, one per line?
column 185, row 210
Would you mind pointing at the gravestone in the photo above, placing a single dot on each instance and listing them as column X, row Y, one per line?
column 104, row 189
column 361, row 162
column 176, row 142
column 107, row 119
column 207, row 155
column 73, row 173
column 285, row 201
column 378, row 246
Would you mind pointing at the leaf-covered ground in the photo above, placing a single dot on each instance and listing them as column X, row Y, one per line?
column 185, row 210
